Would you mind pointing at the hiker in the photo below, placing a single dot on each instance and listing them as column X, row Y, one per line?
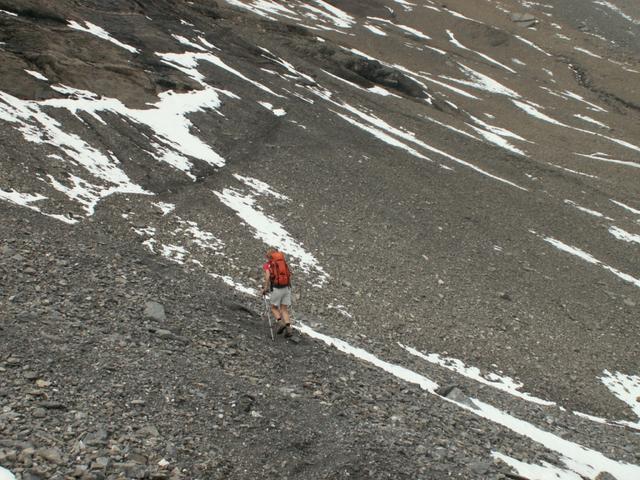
column 277, row 281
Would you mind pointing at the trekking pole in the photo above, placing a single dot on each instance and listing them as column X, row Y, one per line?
column 266, row 310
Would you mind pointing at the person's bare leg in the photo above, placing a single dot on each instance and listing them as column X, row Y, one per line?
column 285, row 314
column 276, row 313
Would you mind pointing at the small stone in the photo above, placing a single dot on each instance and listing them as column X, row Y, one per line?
column 148, row 431
column 164, row 334
column 52, row 405
column 154, row 311
column 101, row 463
column 480, row 467
column 12, row 361
column 51, row 455
column 39, row 413
column 99, row 437
column 42, row 383
column 421, row 450
column 629, row 303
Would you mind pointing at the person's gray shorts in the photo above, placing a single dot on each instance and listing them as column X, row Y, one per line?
column 280, row 295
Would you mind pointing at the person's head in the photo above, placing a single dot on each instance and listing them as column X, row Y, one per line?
column 271, row 251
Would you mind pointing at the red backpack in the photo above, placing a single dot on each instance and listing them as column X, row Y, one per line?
column 279, row 273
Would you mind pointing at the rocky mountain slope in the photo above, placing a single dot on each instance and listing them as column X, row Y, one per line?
column 455, row 185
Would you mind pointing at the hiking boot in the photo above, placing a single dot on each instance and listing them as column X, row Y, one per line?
column 288, row 330
column 281, row 327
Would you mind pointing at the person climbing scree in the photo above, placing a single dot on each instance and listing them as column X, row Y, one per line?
column 277, row 281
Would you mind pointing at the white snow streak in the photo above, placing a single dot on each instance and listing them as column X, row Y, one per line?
column 335, row 15
column 37, row 75
column 165, row 207
column 278, row 112
column 504, row 383
column 260, row 187
column 617, row 10
column 100, row 32
column 187, row 63
column 264, row 8
column 409, row 136
column 375, row 30
column 236, row 285
column 174, row 253
column 602, row 157
column 482, row 82
column 623, row 235
column 587, row 52
column 486, row 57
column 189, row 43
column 412, row 31
column 269, row 230
column 591, row 259
column 572, row 171
column 586, row 210
column 626, row 207
column 532, row 45
column 590, row 120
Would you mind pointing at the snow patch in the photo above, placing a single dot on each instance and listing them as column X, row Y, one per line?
column 591, row 259
column 532, row 45
column 590, row 120
column 260, row 187
column 101, row 33
column 626, row 388
column 37, row 75
column 236, row 285
column 187, row 63
column 375, row 30
column 500, row 382
column 165, row 207
column 341, row 309
column 278, row 112
column 587, row 52
column 189, row 43
column 482, row 82
column 586, row 210
column 623, row 235
column 603, row 157
column 486, row 57
column 626, row 207
column 270, row 231
column 4, row 473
